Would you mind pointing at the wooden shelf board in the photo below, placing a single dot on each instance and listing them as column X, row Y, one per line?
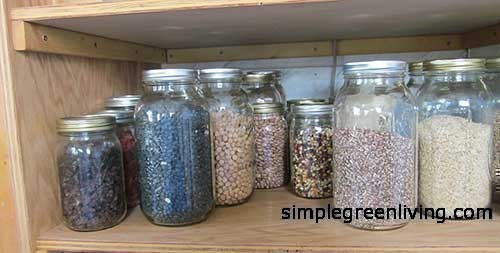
column 257, row 226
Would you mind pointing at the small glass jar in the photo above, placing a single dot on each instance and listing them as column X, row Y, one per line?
column 311, row 151
column 172, row 127
column 260, row 87
column 233, row 141
column 304, row 101
column 492, row 80
column 126, row 102
column 89, row 159
column 271, row 135
column 416, row 77
column 126, row 134
column 455, row 136
column 374, row 142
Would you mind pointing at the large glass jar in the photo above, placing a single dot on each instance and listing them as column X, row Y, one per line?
column 126, row 102
column 455, row 136
column 173, row 148
column 232, row 140
column 374, row 142
column 261, row 87
column 492, row 80
column 89, row 159
column 311, row 151
column 271, row 136
column 415, row 78
column 126, row 134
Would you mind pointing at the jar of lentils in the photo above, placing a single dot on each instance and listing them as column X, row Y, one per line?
column 374, row 142
column 233, row 139
column 455, row 136
column 173, row 148
column 416, row 77
column 126, row 102
column 270, row 133
column 492, row 80
column 89, row 160
column 311, row 151
column 126, row 134
column 261, row 87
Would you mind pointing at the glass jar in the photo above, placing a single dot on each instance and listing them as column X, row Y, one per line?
column 270, row 133
column 126, row 134
column 374, row 142
column 89, row 160
column 455, row 133
column 416, row 77
column 261, row 87
column 126, row 102
column 311, row 151
column 173, row 149
column 492, row 80
column 232, row 141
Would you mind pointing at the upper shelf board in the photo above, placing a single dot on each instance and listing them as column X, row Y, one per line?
column 208, row 23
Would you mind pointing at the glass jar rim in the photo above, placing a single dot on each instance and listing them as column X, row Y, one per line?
column 174, row 75
column 122, row 101
column 374, row 67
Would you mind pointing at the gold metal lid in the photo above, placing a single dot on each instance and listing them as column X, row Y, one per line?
column 306, row 101
column 317, row 109
column 87, row 123
column 262, row 108
column 122, row 101
column 493, row 64
column 466, row 64
column 121, row 116
column 415, row 66
column 266, row 77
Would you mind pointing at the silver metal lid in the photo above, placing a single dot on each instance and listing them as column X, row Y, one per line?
column 122, row 101
column 121, row 116
column 220, row 74
column 177, row 75
column 87, row 123
column 312, row 109
column 306, row 101
column 467, row 64
column 375, row 67
column 266, row 77
column 415, row 66
column 493, row 64
column 262, row 108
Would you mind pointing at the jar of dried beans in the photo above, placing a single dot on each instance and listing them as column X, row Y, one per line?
column 374, row 143
column 311, row 151
column 89, row 159
column 261, row 87
column 173, row 148
column 126, row 102
column 232, row 140
column 415, row 78
column 492, row 80
column 270, row 133
column 126, row 134
column 455, row 136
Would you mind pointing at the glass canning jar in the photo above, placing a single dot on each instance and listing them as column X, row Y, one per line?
column 455, row 135
column 415, row 77
column 126, row 134
column 271, row 136
column 492, row 80
column 233, row 140
column 126, row 102
column 260, row 87
column 374, row 142
column 311, row 151
column 304, row 101
column 89, row 159
column 173, row 148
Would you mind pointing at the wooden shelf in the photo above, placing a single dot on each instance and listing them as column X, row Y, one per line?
column 257, row 226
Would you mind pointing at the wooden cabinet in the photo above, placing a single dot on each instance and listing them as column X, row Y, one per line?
column 64, row 57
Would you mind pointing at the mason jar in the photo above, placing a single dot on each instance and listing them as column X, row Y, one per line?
column 304, row 101
column 173, row 148
column 126, row 102
column 455, row 136
column 415, row 77
column 233, row 140
column 89, row 161
column 260, row 87
column 492, row 80
column 311, row 151
column 374, row 143
column 271, row 136
column 126, row 134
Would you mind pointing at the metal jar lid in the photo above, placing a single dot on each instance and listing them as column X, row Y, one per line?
column 267, row 77
column 174, row 75
column 306, row 101
column 262, row 108
column 415, row 66
column 312, row 109
column 121, row 116
column 220, row 74
column 493, row 64
column 467, row 64
column 87, row 123
column 374, row 67
column 122, row 101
